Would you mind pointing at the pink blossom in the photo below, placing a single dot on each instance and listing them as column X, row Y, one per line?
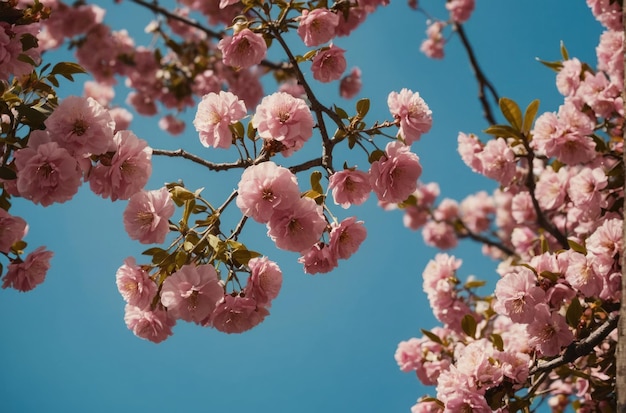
column 522, row 208
column 356, row 16
column 551, row 188
column 548, row 331
column 146, row 216
column 610, row 53
column 286, row 119
column 346, row 237
column 124, row 173
column 11, row 48
column 317, row 26
column 320, row 258
column 47, row 174
column 154, row 325
column 29, row 273
column 469, row 147
column 604, row 245
column 584, row 187
column 82, row 126
column 476, row 211
column 349, row 187
column 293, row 88
column 216, row 112
column 121, row 117
column 432, row 46
column 246, row 85
column 601, row 95
column 607, row 12
column 237, row 314
column 518, row 294
column 134, row 284
column 192, row 292
column 142, row 103
column 440, row 235
column 579, row 273
column 447, row 210
column 412, row 113
column 264, row 282
column 171, row 124
column 68, row 22
column 297, row 228
column 12, row 229
column 498, row 161
column 350, row 85
column 242, row 50
column 568, row 79
column 409, row 354
column 329, row 64
column 442, row 268
column 264, row 188
column 102, row 93
column 394, row 176
column 460, row 10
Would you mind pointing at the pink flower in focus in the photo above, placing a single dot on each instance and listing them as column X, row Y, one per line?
column 154, row 325
column 607, row 12
column 47, row 174
column 126, row 172
column 349, row 187
column 146, row 216
column 317, row 26
column 346, row 237
column 171, row 124
column 568, row 79
column 320, row 258
column 413, row 113
column 498, row 161
column 551, row 188
column 548, row 331
column 26, row 275
column 264, row 188
column 12, row 229
column 192, row 292
column 584, row 188
column 329, row 64
column 579, row 273
column 610, row 53
column 460, row 10
column 134, row 284
column 604, row 245
column 469, row 148
column 350, row 85
column 242, row 50
column 286, row 119
column 409, row 354
column 82, row 126
column 394, row 176
column 237, row 314
column 518, row 294
column 297, row 228
column 264, row 282
column 216, row 112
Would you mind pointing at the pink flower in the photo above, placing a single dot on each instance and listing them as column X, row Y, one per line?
column 317, row 26
column 154, row 325
column 298, row 227
column 409, row 354
column 469, row 148
column 518, row 294
column 349, row 187
column 82, row 126
column 350, row 85
column 264, row 188
column 568, row 79
column 47, row 174
column 394, row 176
column 548, row 331
column 172, row 125
column 121, row 117
column 26, row 275
column 329, row 64
column 433, row 45
column 264, row 282
column 579, row 273
column 412, row 112
column 498, row 161
column 126, row 172
column 551, row 188
column 607, row 12
column 439, row 235
column 216, row 112
column 242, row 50
column 134, row 284
column 286, row 119
column 237, row 314
column 146, row 216
column 610, row 53
column 320, row 258
column 604, row 245
column 192, row 292
column 346, row 237
column 245, row 83
column 103, row 94
column 460, row 10
column 12, row 229
column 11, row 48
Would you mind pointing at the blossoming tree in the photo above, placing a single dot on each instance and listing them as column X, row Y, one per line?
column 554, row 223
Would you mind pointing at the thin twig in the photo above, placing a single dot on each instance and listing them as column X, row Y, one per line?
column 180, row 153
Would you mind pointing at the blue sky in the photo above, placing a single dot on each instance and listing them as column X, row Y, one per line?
column 328, row 344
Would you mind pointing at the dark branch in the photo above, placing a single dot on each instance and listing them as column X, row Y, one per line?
column 179, row 153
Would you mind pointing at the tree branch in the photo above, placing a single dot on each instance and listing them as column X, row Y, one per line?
column 180, row 153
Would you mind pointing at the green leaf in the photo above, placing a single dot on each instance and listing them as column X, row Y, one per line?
column 251, row 132
column 342, row 113
column 376, row 155
column 468, row 324
column 432, row 336
column 574, row 313
column 475, row 284
column 511, row 112
column 237, row 129
column 362, row 107
column 503, row 131
column 497, row 341
column 7, row 173
column 242, row 256
column 556, row 66
column 152, row 251
column 577, row 247
column 181, row 258
column 316, row 177
column 66, row 69
column 180, row 194
column 529, row 116
column 552, row 276
column 564, row 51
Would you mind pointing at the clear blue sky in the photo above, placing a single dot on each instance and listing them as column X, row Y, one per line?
column 328, row 345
